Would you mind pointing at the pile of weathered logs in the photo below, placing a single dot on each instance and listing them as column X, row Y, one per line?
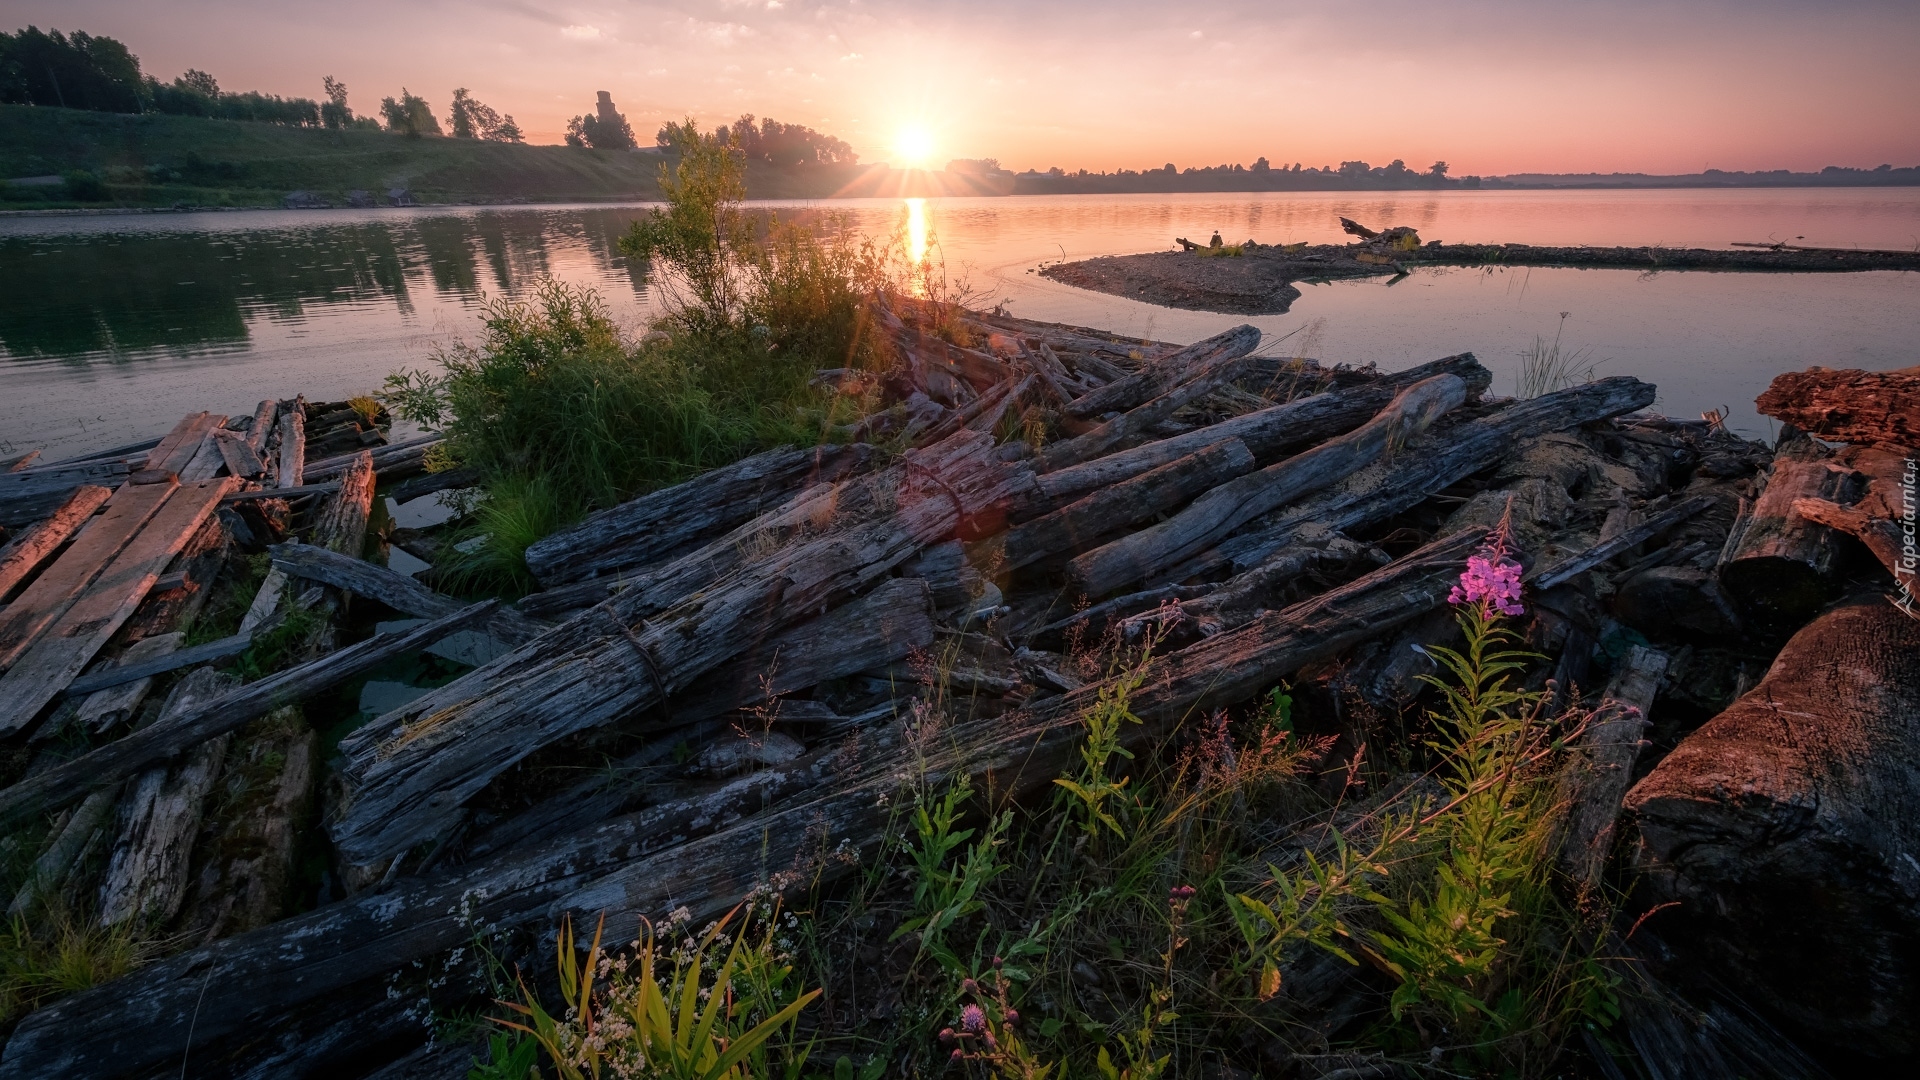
column 718, row 684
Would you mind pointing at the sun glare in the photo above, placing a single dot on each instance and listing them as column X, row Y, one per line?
column 913, row 146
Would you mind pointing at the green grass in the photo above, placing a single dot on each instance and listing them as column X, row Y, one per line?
column 158, row 160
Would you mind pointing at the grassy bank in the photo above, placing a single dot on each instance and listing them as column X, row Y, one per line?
column 159, row 160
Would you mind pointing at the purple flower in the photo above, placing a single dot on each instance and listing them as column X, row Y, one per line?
column 946, row 1035
column 973, row 1019
column 1012, row 1016
column 1491, row 579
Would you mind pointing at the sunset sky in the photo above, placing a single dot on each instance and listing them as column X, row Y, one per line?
column 1491, row 86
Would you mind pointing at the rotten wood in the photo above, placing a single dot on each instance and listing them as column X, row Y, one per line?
column 113, row 693
column 261, row 426
column 1778, row 566
column 1217, row 514
column 293, row 445
column 51, row 868
column 1784, row 827
column 395, row 590
column 239, row 455
column 410, row 771
column 69, row 782
column 1167, row 372
column 178, row 449
column 244, row 882
column 662, row 524
column 1113, row 507
column 1848, row 405
column 160, row 811
column 1610, row 744
column 1137, row 423
column 1619, row 543
column 31, row 495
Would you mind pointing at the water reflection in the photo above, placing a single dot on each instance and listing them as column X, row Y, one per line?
column 119, row 295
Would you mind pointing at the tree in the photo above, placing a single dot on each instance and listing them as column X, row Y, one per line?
column 77, row 71
column 702, row 230
column 198, row 82
column 410, row 116
column 1438, row 171
column 335, row 113
column 1260, row 165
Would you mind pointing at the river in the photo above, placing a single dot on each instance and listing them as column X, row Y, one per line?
column 113, row 326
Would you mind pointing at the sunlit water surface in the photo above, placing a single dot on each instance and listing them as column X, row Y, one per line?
column 112, row 327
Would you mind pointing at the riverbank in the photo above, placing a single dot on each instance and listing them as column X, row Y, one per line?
column 1107, row 632
column 1259, row 279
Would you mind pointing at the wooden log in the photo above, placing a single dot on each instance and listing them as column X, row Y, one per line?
column 1112, row 508
column 1848, row 405
column 706, row 854
column 1778, row 567
column 293, row 445
column 1880, row 518
column 239, row 456
column 31, row 495
column 50, row 595
column 18, row 461
column 1610, row 745
column 243, row 884
column 146, row 878
column 82, row 827
column 1135, row 425
column 1217, row 514
column 1433, row 462
column 113, row 694
column 261, row 426
column 1268, row 432
column 395, row 590
column 1785, row 825
column 883, row 627
column 281, row 494
column 69, row 644
column 411, row 770
column 1622, row 542
column 408, row 490
column 341, row 524
column 149, row 746
column 177, row 450
column 26, row 553
column 386, row 458
column 1166, row 373
column 996, row 398
column 665, row 522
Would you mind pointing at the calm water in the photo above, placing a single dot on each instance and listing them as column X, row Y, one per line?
column 111, row 328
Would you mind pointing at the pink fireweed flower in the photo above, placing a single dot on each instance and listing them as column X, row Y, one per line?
column 1491, row 580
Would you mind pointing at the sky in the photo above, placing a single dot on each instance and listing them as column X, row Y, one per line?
column 1490, row 86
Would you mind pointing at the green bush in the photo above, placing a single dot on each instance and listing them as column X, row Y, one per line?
column 83, row 186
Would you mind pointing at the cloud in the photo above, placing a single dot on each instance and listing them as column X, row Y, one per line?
column 580, row 32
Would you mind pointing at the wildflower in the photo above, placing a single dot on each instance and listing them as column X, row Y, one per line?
column 946, row 1035
column 1011, row 1016
column 1492, row 579
column 968, row 986
column 973, row 1019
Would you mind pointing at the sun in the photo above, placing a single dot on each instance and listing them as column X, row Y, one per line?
column 913, row 146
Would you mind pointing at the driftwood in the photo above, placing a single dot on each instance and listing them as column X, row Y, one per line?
column 1137, row 423
column 1268, row 432
column 396, row 590
column 1611, row 742
column 69, row 643
column 671, row 855
column 82, row 828
column 341, row 524
column 1878, row 518
column 24, row 555
column 1217, row 514
column 389, row 460
column 1433, row 462
column 292, row 469
column 151, row 662
column 408, row 490
column 239, row 455
column 243, row 884
column 663, row 524
column 261, row 426
column 1114, row 507
column 1848, row 405
column 1620, row 542
column 1166, row 373
column 1785, row 827
column 1778, row 566
column 159, row 818
column 411, row 770
column 149, row 746
column 113, row 693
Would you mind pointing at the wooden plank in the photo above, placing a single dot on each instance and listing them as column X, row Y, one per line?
column 55, row 590
column 66, row 647
column 283, row 493
column 1611, row 743
column 65, row 784
column 25, row 554
column 239, row 456
column 158, row 663
column 176, row 451
column 293, row 445
column 208, row 460
column 384, row 457
column 103, row 708
column 261, row 426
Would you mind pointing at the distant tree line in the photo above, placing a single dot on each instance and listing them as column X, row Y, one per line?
column 1262, row 175
column 99, row 74
column 781, row 144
